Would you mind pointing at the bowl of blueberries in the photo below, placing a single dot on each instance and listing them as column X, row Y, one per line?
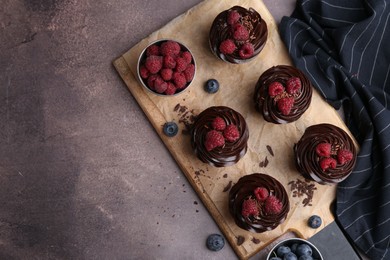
column 294, row 249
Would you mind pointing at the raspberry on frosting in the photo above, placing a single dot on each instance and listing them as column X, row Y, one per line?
column 293, row 85
column 323, row 149
column 246, row 51
column 285, row 105
column 227, row 46
column 218, row 124
column 261, row 193
column 249, row 208
column 275, row 88
column 240, row 32
column 272, row 205
column 231, row 133
column 214, row 139
column 233, row 17
column 344, row 156
column 328, row 163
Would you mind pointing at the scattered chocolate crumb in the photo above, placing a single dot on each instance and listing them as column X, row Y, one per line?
column 196, row 210
column 300, row 188
column 264, row 163
column 269, row 148
column 195, row 202
column 184, row 191
column 158, row 223
column 227, row 187
column 225, row 175
column 183, row 184
column 173, row 215
column 158, row 245
column 176, row 107
column 186, row 117
column 255, row 240
column 240, row 240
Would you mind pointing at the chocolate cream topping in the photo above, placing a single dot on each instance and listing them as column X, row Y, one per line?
column 307, row 160
column 220, row 31
column 231, row 152
column 243, row 189
column 267, row 105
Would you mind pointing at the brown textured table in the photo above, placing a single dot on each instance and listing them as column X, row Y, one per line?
column 83, row 173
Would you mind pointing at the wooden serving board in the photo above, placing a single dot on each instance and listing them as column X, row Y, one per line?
column 237, row 86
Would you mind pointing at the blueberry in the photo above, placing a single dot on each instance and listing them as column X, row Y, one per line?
column 215, row 242
column 170, row 129
column 304, row 249
column 282, row 250
column 275, row 258
column 305, row 257
column 211, row 86
column 290, row 256
column 314, row 221
column 294, row 248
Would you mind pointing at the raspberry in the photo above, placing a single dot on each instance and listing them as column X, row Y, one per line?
column 169, row 62
column 293, row 85
column 170, row 48
column 272, row 205
column 218, row 124
column 249, row 208
column 171, row 89
column 275, row 88
column 187, row 56
column 227, row 46
column 233, row 17
column 213, row 139
column 344, row 155
column 285, row 105
column 153, row 50
column 179, row 80
column 231, row 133
column 189, row 72
column 166, row 74
column 181, row 64
column 144, row 72
column 160, row 86
column 154, row 63
column 328, row 163
column 323, row 149
column 261, row 193
column 240, row 33
column 246, row 50
column 151, row 80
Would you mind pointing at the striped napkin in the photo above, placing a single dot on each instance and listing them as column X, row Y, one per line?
column 344, row 48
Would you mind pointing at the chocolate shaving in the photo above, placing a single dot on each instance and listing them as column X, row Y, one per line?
column 255, row 240
column 264, row 163
column 228, row 186
column 301, row 188
column 186, row 117
column 269, row 148
column 240, row 240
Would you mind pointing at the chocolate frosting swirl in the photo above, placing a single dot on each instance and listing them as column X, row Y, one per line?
column 220, row 31
column 243, row 189
column 307, row 161
column 267, row 105
column 231, row 152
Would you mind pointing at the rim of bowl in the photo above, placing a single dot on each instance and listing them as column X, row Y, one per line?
column 140, row 79
column 294, row 239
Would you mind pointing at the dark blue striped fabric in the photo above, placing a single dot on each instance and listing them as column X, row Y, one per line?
column 344, row 48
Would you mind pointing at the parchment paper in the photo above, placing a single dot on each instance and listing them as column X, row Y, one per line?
column 237, row 84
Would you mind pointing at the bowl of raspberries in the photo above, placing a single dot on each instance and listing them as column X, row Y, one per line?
column 166, row 67
column 294, row 249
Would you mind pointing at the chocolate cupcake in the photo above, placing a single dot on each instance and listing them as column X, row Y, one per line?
column 219, row 136
column 258, row 203
column 238, row 34
column 325, row 153
column 282, row 94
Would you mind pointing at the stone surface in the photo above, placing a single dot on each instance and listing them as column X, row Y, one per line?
column 83, row 175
